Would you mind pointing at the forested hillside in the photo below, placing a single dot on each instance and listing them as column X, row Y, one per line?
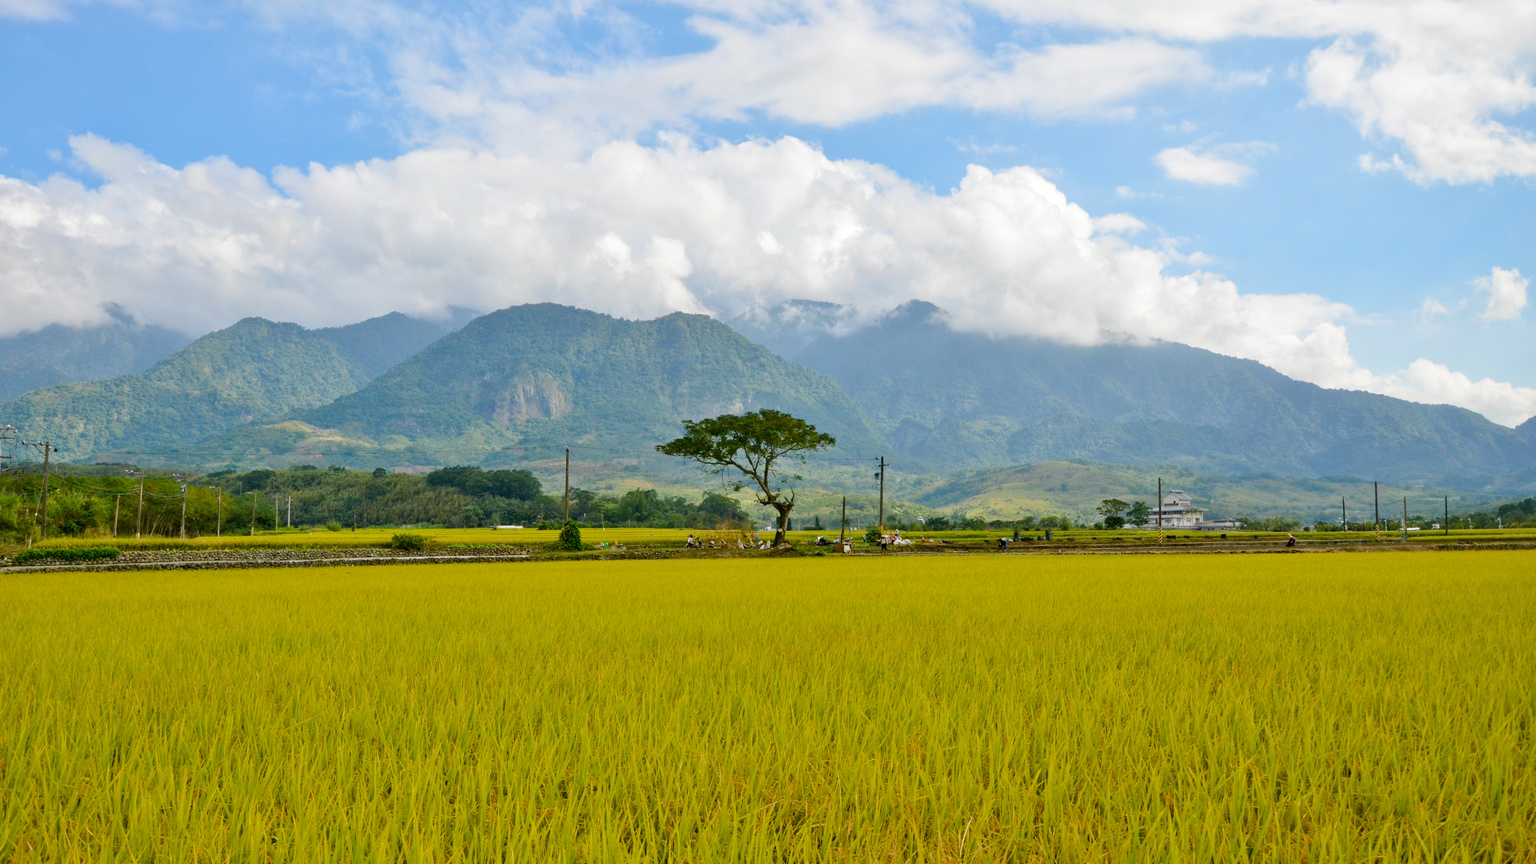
column 58, row 354
column 252, row 371
column 950, row 400
column 524, row 382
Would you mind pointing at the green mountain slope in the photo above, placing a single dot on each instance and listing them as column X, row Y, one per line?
column 253, row 370
column 949, row 400
column 379, row 343
column 56, row 354
column 526, row 381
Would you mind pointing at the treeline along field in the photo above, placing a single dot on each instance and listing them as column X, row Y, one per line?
column 1276, row 708
column 101, row 502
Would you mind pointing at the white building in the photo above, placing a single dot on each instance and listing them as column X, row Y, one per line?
column 1177, row 512
column 1180, row 514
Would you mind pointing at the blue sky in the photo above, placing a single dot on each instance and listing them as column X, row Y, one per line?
column 1234, row 134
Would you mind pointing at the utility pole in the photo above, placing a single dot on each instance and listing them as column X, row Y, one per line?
column 7, row 433
column 184, row 510
column 277, row 510
column 47, row 451
column 882, row 494
column 138, row 523
column 1344, row 509
column 117, row 504
column 255, row 502
column 842, row 532
column 1447, row 515
column 567, row 485
column 1159, row 509
column 1405, row 518
column 290, row 511
column 218, row 526
column 1377, row 486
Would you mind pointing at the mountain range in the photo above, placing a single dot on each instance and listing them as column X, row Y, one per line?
column 519, row 384
column 964, row 400
column 524, row 382
column 56, row 354
column 253, row 371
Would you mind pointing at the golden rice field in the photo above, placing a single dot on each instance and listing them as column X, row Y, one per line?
column 971, row 708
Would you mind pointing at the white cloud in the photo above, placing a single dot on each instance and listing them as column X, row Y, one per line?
column 1504, row 294
column 1219, row 165
column 637, row 231
column 1426, row 381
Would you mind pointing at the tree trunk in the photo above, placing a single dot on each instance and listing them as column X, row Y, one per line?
column 778, row 536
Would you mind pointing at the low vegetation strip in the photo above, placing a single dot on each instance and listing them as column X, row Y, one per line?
column 977, row 708
column 67, row 555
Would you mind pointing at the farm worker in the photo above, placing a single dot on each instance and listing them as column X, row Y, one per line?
column 692, row 543
column 1290, row 540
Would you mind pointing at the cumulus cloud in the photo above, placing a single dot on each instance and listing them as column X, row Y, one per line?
column 1426, row 381
column 1503, row 293
column 1219, row 165
column 636, row 231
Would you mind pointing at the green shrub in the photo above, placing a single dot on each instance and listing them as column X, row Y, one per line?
column 570, row 537
column 409, row 542
column 333, row 526
column 70, row 554
column 872, row 536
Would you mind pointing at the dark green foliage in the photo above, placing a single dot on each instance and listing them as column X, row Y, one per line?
column 1114, row 522
column 1521, row 513
column 751, row 444
column 502, row 483
column 407, row 542
column 570, row 537
column 1139, row 514
column 872, row 536
column 75, row 555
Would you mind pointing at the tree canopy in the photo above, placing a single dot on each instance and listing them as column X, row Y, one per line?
column 752, row 444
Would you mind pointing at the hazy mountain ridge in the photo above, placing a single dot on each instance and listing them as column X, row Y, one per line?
column 962, row 399
column 253, row 370
column 57, row 354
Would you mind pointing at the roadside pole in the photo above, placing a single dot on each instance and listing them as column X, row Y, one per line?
column 1405, row 518
column 1447, row 522
column 1159, row 509
column 567, row 486
column 218, row 530
column 1344, row 511
column 117, row 504
column 138, row 522
column 47, row 451
column 842, row 532
column 184, row 489
column 882, row 495
column 1377, row 487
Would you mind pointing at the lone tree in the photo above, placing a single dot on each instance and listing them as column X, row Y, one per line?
column 1139, row 514
column 752, row 444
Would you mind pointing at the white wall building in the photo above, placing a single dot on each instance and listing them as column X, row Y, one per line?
column 1178, row 511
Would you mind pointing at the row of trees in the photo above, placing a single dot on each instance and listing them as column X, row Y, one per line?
column 104, row 501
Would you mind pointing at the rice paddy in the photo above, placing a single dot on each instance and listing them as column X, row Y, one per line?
column 914, row 708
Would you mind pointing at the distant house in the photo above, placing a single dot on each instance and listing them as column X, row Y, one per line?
column 1177, row 511
column 1180, row 514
